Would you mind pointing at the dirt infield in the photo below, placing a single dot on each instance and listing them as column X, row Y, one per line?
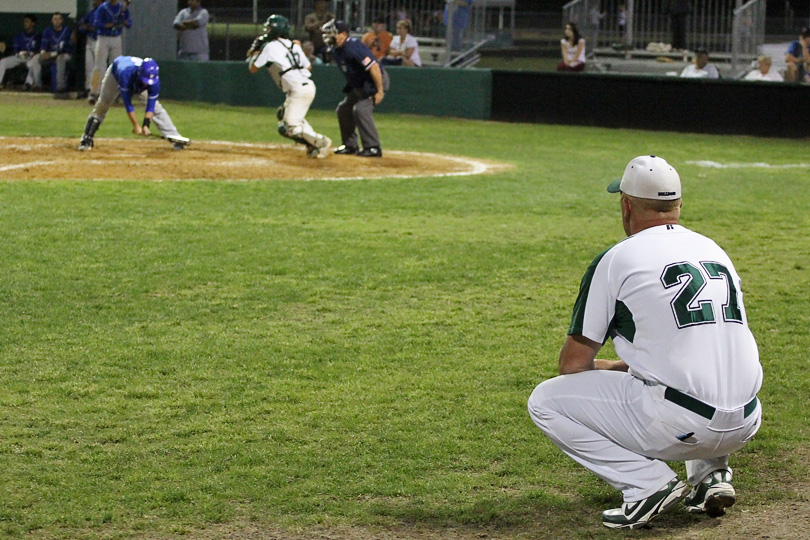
column 35, row 158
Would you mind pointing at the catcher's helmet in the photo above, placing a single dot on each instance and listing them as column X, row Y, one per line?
column 277, row 26
column 149, row 72
column 331, row 29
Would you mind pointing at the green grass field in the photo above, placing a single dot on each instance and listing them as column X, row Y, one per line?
column 182, row 358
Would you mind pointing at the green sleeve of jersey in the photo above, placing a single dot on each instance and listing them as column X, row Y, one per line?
column 577, row 318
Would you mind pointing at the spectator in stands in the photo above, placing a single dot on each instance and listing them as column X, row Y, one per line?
column 86, row 28
column 26, row 51
column 572, row 47
column 764, row 71
column 404, row 48
column 313, row 23
column 621, row 21
column 191, row 24
column 309, row 50
column 679, row 11
column 700, row 68
column 460, row 21
column 798, row 59
column 595, row 18
column 56, row 51
column 379, row 38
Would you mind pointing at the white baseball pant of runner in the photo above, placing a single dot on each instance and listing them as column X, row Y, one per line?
column 621, row 428
column 108, row 93
column 108, row 48
column 296, row 107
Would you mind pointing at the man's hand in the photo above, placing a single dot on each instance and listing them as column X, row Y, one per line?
column 137, row 130
column 378, row 97
column 145, row 131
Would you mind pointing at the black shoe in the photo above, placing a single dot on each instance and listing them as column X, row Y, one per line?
column 372, row 151
column 86, row 144
column 347, row 150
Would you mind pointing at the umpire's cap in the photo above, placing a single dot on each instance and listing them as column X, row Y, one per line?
column 649, row 177
column 149, row 72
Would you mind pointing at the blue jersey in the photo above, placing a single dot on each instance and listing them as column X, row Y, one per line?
column 354, row 59
column 57, row 42
column 124, row 69
column 85, row 25
column 108, row 13
column 26, row 42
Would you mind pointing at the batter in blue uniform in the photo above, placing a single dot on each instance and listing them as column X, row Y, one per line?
column 366, row 85
column 130, row 76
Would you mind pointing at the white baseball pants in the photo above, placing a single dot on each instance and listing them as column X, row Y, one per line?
column 89, row 62
column 109, row 91
column 60, row 62
column 108, row 48
column 623, row 430
column 34, row 76
column 296, row 106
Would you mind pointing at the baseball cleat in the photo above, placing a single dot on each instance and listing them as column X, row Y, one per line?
column 86, row 144
column 712, row 495
column 372, row 151
column 178, row 140
column 346, row 150
column 638, row 514
column 322, row 148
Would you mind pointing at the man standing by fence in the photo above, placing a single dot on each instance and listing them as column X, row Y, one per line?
column 110, row 20
column 679, row 11
column 191, row 25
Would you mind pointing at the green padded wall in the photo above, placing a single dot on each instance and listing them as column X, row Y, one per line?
column 463, row 93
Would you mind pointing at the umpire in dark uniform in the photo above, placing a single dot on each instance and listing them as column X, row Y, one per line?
column 367, row 83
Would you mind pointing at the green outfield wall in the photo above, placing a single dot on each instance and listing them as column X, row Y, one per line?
column 425, row 91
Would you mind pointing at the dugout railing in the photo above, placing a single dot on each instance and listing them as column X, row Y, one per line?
column 731, row 30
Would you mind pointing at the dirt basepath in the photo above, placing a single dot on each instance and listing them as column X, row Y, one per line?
column 34, row 158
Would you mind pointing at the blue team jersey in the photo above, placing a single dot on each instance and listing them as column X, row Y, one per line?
column 57, row 42
column 124, row 69
column 88, row 20
column 26, row 42
column 354, row 59
column 108, row 13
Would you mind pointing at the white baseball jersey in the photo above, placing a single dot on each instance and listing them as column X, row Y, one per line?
column 671, row 300
column 286, row 62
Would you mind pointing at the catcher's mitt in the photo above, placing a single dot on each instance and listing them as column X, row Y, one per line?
column 257, row 44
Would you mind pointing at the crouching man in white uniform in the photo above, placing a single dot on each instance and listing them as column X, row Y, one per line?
column 291, row 71
column 685, row 387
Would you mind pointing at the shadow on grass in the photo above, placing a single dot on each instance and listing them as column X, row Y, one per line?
column 537, row 515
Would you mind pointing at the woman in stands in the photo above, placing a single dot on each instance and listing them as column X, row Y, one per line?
column 404, row 48
column 573, row 50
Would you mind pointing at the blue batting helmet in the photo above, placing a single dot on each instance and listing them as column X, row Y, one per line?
column 149, row 71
